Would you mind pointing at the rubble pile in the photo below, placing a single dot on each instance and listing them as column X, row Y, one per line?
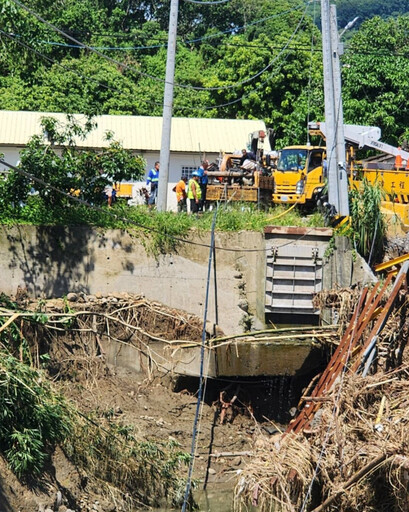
column 354, row 454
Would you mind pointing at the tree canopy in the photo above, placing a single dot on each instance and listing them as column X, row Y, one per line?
column 239, row 59
column 55, row 159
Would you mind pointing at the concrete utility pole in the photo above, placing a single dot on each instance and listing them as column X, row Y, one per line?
column 167, row 108
column 334, row 118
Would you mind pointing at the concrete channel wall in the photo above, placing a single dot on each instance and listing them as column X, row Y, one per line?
column 53, row 261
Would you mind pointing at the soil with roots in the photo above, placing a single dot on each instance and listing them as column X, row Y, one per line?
column 149, row 403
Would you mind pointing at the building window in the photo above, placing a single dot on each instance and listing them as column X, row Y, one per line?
column 188, row 170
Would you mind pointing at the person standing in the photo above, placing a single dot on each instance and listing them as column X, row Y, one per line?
column 181, row 195
column 152, row 183
column 109, row 191
column 109, row 194
column 203, row 181
column 194, row 193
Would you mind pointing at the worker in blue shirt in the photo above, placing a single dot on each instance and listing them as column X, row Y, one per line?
column 203, row 180
column 152, row 183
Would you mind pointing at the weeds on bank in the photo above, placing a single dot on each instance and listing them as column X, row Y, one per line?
column 367, row 228
column 146, row 471
column 33, row 417
column 159, row 231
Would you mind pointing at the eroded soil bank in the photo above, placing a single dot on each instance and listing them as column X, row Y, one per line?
column 155, row 406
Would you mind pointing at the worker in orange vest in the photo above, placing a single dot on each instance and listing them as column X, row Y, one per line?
column 181, row 195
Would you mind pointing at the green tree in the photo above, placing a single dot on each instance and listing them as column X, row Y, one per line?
column 367, row 9
column 376, row 77
column 55, row 159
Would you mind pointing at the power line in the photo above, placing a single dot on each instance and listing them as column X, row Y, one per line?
column 176, row 106
column 214, row 2
column 182, row 108
column 146, row 75
column 261, row 84
column 202, row 377
column 68, row 69
column 382, row 52
column 250, row 24
column 164, row 44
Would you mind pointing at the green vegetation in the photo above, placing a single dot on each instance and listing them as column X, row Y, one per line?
column 161, row 232
column 54, row 172
column 376, row 77
column 367, row 228
column 255, row 59
column 35, row 418
column 144, row 470
column 367, row 9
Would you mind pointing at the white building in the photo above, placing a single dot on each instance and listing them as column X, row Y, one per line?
column 192, row 140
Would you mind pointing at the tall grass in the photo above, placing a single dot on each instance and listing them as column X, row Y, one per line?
column 367, row 229
column 33, row 417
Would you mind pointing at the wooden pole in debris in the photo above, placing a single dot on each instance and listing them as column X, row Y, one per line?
column 354, row 479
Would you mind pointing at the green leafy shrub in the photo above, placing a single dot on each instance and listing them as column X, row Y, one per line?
column 58, row 165
column 33, row 417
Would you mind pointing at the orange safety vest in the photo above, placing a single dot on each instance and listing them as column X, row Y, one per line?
column 180, row 190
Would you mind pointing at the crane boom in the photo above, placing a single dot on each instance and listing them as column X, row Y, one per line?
column 362, row 136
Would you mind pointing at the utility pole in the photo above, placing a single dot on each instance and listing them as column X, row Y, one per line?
column 337, row 50
column 334, row 117
column 167, row 108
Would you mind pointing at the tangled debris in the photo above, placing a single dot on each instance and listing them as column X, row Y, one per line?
column 123, row 318
column 105, row 456
column 354, row 454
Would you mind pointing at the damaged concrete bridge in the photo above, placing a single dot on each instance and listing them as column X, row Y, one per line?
column 259, row 278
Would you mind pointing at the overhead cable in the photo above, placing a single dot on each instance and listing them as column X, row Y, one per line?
column 151, row 102
column 202, row 377
column 258, row 86
column 68, row 69
column 191, row 108
column 164, row 45
column 146, row 75
column 214, row 2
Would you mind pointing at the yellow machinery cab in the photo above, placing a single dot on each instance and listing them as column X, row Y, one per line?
column 299, row 177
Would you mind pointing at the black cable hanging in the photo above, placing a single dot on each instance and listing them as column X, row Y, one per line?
column 201, row 376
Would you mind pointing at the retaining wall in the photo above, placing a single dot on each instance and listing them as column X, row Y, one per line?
column 53, row 261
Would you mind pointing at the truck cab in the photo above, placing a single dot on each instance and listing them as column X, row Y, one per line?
column 299, row 177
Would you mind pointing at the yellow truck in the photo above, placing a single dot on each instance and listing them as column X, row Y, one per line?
column 301, row 170
column 299, row 176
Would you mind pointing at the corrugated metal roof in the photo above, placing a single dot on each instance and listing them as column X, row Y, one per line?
column 139, row 133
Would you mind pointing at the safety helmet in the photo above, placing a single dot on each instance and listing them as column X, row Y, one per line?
column 195, row 173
